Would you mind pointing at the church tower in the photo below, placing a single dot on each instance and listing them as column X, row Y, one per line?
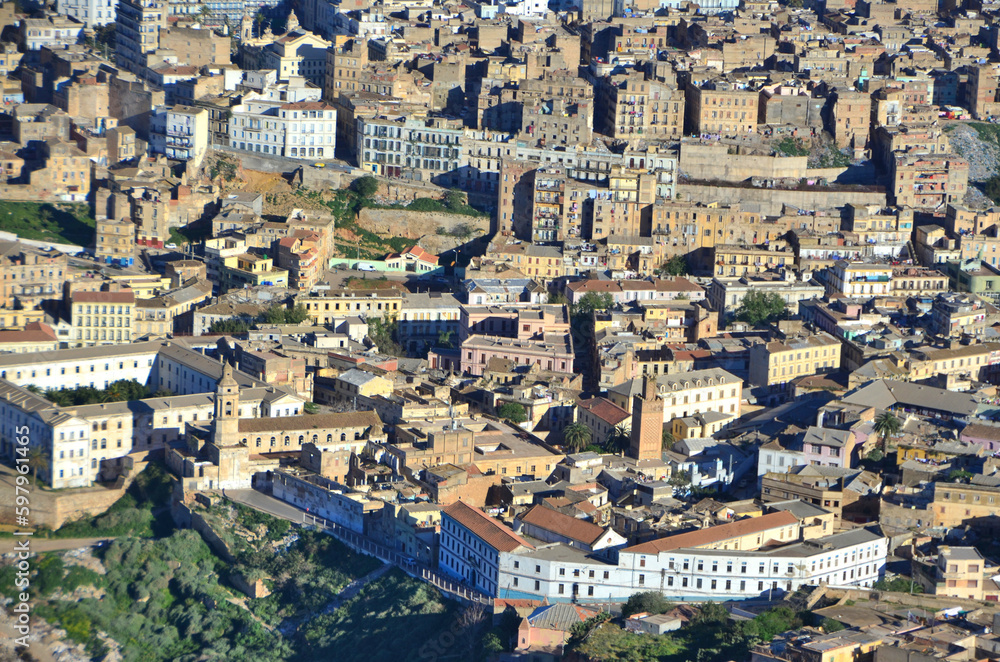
column 647, row 423
column 227, row 408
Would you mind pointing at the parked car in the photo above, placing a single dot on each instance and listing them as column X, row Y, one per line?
column 364, row 266
column 171, row 246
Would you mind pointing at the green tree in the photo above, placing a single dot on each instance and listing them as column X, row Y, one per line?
column 959, row 475
column 38, row 459
column 444, row 339
column 513, row 411
column 592, row 301
column 668, row 439
column 711, row 613
column 454, row 199
column 830, row 625
column 619, row 439
column 898, row 585
column 576, row 436
column 875, row 455
column 761, row 308
column 492, row 643
column 680, row 479
column 366, row 186
column 383, row 333
column 558, row 298
column 651, row 602
column 675, row 266
column 886, row 425
column 991, row 187
column 233, row 325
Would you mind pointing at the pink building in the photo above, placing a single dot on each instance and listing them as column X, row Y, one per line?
column 828, row 447
column 512, row 321
column 552, row 352
column 987, row 436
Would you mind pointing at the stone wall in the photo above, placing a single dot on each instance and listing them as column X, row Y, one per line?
column 713, row 161
column 770, row 200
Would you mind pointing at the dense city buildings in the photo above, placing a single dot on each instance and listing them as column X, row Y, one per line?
column 550, row 304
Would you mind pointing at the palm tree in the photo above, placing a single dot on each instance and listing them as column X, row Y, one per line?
column 668, row 439
column 576, row 436
column 887, row 425
column 619, row 440
column 37, row 459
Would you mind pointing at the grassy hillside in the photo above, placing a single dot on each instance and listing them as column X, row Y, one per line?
column 59, row 223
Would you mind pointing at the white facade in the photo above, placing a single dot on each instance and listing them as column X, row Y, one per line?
column 778, row 460
column 302, row 130
column 465, row 556
column 72, row 368
column 559, row 572
column 91, row 13
column 860, row 279
column 24, row 416
column 55, row 32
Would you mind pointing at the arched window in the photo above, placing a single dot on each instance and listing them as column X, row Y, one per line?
column 288, row 440
column 301, row 439
column 343, row 436
column 315, row 438
column 258, row 442
column 329, row 438
column 273, row 440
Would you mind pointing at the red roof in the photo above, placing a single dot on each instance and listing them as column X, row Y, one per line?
column 487, row 529
column 563, row 525
column 605, row 410
column 32, row 332
column 715, row 534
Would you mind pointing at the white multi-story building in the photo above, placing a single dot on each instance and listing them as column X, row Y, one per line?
column 727, row 294
column 88, row 366
column 30, row 417
column 55, row 32
column 137, row 32
column 300, row 130
column 772, row 457
column 179, row 132
column 688, row 393
column 423, row 149
column 92, row 13
column 859, row 279
column 88, row 443
column 559, row 572
column 472, row 544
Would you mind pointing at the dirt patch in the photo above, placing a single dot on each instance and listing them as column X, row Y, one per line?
column 435, row 232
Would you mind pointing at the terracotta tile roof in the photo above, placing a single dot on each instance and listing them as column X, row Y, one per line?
column 357, row 419
column 605, row 410
column 715, row 534
column 33, row 332
column 563, row 525
column 487, row 529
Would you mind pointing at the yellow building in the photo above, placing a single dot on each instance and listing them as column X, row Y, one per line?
column 781, row 361
column 326, row 307
column 18, row 319
column 251, row 270
column 960, row 572
column 956, row 505
column 102, row 318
